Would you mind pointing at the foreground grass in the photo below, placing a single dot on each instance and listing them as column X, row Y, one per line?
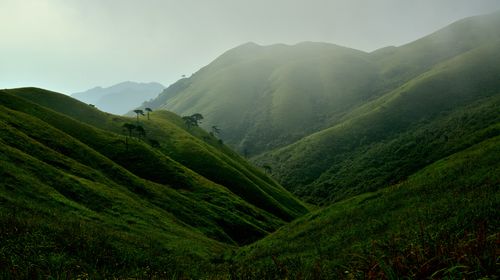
column 440, row 223
column 75, row 205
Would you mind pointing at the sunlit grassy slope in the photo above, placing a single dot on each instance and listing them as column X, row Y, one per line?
column 449, row 107
column 75, row 199
column 442, row 222
column 193, row 148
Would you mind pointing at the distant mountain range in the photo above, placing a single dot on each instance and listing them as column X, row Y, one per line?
column 120, row 98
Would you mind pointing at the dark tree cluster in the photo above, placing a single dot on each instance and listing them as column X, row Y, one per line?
column 138, row 131
column 193, row 120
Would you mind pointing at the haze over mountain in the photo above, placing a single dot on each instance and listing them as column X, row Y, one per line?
column 342, row 101
column 263, row 97
column 120, row 98
column 380, row 165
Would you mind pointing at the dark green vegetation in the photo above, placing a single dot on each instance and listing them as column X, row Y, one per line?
column 129, row 95
column 442, row 222
column 76, row 200
column 401, row 145
column 453, row 106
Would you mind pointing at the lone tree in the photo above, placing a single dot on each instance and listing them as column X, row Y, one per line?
column 197, row 118
column 138, row 111
column 148, row 110
column 192, row 120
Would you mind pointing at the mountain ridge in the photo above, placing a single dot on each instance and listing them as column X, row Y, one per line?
column 129, row 93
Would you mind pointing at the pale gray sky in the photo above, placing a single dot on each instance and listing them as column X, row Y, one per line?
column 72, row 45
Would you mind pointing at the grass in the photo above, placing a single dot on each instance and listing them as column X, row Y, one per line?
column 419, row 119
column 76, row 202
column 408, row 168
column 440, row 223
column 201, row 153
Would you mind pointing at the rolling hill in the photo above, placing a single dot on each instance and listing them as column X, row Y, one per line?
column 333, row 122
column 74, row 185
column 129, row 94
column 449, row 107
column 267, row 97
column 397, row 149
column 440, row 223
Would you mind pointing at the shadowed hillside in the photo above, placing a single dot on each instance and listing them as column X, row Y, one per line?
column 108, row 191
column 440, row 223
column 431, row 116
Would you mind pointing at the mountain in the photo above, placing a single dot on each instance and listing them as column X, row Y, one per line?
column 266, row 97
column 120, row 98
column 78, row 197
column 397, row 152
column 452, row 106
column 333, row 122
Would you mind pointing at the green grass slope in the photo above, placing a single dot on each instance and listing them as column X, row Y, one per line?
column 193, row 148
column 440, row 223
column 76, row 201
column 264, row 97
column 443, row 110
column 398, row 65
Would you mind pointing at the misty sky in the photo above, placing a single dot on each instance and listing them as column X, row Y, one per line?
column 72, row 45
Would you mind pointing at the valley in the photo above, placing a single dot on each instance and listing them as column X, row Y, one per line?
column 330, row 163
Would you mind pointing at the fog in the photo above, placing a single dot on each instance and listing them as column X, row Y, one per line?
column 72, row 45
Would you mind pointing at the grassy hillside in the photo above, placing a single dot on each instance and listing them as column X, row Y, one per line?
column 67, row 185
column 193, row 148
column 398, row 65
column 264, row 97
column 441, row 111
column 440, row 223
column 399, row 149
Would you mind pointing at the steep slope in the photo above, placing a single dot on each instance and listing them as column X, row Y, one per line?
column 120, row 98
column 266, row 97
column 401, row 64
column 391, row 137
column 205, row 156
column 440, row 223
column 87, row 203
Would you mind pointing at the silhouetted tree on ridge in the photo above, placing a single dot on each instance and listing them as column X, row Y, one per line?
column 138, row 111
column 192, row 120
column 148, row 110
